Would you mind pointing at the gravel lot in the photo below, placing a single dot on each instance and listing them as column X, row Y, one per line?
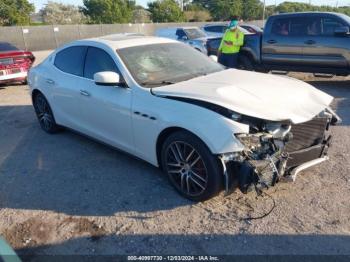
column 65, row 194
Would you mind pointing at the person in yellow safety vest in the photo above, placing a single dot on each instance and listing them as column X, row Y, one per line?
column 230, row 45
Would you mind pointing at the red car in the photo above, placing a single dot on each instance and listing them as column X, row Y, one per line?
column 14, row 64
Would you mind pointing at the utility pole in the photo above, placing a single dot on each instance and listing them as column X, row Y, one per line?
column 264, row 10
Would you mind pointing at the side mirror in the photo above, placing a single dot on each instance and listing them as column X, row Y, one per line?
column 107, row 78
column 343, row 30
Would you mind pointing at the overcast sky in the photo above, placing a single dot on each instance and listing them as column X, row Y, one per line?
column 40, row 3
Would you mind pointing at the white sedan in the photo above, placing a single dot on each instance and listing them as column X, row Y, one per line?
column 206, row 127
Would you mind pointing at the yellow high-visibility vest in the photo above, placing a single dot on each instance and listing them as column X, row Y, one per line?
column 237, row 39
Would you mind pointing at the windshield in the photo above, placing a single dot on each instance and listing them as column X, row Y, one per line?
column 194, row 33
column 4, row 47
column 162, row 64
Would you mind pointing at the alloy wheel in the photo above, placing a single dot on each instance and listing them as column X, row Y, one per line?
column 186, row 168
column 44, row 113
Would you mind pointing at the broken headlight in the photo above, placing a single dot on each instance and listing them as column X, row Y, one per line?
column 250, row 141
column 275, row 134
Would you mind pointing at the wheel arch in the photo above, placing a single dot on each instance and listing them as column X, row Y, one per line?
column 35, row 92
column 171, row 130
column 166, row 133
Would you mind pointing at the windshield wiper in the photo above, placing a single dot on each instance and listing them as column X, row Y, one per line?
column 165, row 82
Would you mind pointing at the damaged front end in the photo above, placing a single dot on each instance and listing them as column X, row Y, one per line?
column 277, row 151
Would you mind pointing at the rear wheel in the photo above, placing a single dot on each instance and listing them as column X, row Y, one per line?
column 44, row 114
column 192, row 169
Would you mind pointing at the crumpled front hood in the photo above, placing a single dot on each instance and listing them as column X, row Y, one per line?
column 264, row 96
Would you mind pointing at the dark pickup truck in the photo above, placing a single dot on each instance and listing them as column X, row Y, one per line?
column 312, row 42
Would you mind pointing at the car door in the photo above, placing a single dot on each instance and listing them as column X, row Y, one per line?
column 283, row 42
column 105, row 110
column 323, row 48
column 68, row 66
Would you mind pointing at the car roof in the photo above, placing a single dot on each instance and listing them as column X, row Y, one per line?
column 188, row 27
column 120, row 41
column 178, row 27
column 304, row 13
column 217, row 24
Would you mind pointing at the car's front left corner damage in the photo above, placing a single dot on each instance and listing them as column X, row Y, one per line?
column 277, row 151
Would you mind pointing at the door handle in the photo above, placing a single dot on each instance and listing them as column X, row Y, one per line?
column 310, row 42
column 84, row 93
column 272, row 41
column 50, row 81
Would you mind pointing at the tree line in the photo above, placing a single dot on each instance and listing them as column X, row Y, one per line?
column 17, row 12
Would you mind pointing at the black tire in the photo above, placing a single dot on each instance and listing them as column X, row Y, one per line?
column 197, row 180
column 44, row 114
column 245, row 63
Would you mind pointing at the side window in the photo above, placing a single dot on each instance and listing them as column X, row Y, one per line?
column 214, row 29
column 209, row 29
column 314, row 27
column 180, row 33
column 329, row 25
column 71, row 60
column 97, row 60
column 281, row 27
column 223, row 29
column 299, row 26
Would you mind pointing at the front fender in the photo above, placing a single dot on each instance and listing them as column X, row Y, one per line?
column 216, row 131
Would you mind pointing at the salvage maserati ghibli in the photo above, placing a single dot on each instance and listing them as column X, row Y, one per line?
column 207, row 127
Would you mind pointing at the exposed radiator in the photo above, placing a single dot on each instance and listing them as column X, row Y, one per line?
column 307, row 134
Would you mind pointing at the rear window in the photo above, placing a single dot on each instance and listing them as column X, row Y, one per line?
column 71, row 60
column 194, row 33
column 5, row 47
column 215, row 29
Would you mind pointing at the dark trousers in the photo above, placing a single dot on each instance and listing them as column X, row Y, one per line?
column 229, row 60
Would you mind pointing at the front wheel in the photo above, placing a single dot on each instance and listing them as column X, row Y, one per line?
column 192, row 169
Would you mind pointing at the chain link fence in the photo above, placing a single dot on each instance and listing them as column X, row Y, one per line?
column 37, row 38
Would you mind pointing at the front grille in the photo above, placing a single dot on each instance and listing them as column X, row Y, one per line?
column 307, row 134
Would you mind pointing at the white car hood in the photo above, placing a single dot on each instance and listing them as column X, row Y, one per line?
column 264, row 96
